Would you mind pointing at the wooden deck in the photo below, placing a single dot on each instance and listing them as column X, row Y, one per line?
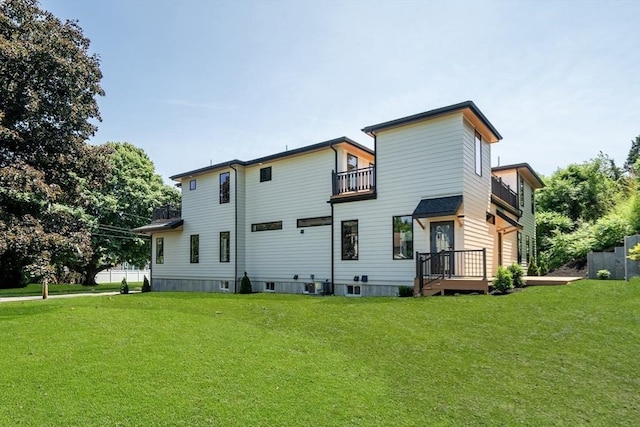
column 439, row 286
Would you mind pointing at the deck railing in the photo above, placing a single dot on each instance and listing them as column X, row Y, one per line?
column 354, row 181
column 504, row 192
column 166, row 212
column 432, row 266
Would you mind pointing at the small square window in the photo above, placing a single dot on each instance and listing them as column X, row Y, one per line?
column 265, row 174
column 224, row 285
column 192, row 184
column 354, row 290
column 270, row 286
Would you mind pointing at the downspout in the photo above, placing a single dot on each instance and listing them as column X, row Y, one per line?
column 235, row 233
column 335, row 157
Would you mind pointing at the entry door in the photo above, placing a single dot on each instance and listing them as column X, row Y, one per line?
column 442, row 240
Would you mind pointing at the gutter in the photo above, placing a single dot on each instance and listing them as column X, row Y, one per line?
column 335, row 156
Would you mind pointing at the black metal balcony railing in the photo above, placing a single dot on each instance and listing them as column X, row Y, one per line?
column 448, row 264
column 504, row 192
column 166, row 212
column 354, row 181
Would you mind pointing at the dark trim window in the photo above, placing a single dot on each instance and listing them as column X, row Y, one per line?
column 528, row 248
column 519, row 247
column 265, row 226
column 270, row 286
column 195, row 248
column 521, row 191
column 225, row 244
column 354, row 290
column 314, row 222
column 192, row 184
column 478, row 153
column 533, row 203
column 265, row 174
column 350, row 240
column 159, row 250
column 225, row 179
column 403, row 237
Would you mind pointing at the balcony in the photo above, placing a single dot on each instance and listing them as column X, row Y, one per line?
column 354, row 185
column 502, row 194
column 166, row 212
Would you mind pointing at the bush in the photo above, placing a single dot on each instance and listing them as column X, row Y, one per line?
column 503, row 280
column 533, row 269
column 609, row 231
column 146, row 286
column 603, row 274
column 124, row 288
column 405, row 291
column 634, row 253
column 245, row 284
column 516, row 275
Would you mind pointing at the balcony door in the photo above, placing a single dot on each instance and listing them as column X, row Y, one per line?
column 352, row 168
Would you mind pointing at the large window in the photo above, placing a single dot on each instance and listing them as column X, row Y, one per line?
column 225, row 238
column 224, row 187
column 350, row 240
column 195, row 248
column 403, row 237
column 265, row 174
column 478, row 156
column 159, row 250
column 265, row 226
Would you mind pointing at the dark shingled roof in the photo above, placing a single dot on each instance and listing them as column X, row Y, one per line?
column 438, row 206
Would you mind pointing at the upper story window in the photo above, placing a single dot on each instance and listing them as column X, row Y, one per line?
column 192, row 184
column 159, row 250
column 264, row 226
column 533, row 203
column 521, row 191
column 195, row 249
column 350, row 240
column 403, row 237
column 314, row 222
column 225, row 179
column 478, row 153
column 352, row 163
column 265, row 174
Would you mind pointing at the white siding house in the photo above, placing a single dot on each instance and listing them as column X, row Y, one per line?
column 337, row 217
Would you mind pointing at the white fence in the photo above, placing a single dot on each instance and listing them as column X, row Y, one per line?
column 114, row 276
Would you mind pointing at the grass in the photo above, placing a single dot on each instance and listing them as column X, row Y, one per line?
column 565, row 355
column 59, row 289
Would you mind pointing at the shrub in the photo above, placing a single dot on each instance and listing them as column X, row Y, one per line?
column 533, row 269
column 503, row 280
column 405, row 291
column 516, row 275
column 245, row 284
column 124, row 288
column 609, row 231
column 146, row 286
column 634, row 253
column 603, row 274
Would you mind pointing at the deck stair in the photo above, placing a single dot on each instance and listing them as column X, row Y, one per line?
column 450, row 271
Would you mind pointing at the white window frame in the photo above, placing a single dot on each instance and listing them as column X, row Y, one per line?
column 353, row 292
column 224, row 285
column 269, row 286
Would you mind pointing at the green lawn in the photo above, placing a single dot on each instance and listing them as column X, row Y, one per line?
column 57, row 289
column 566, row 355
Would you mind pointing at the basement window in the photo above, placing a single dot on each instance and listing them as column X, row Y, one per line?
column 354, row 290
column 270, row 286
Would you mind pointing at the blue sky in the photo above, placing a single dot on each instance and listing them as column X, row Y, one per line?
column 195, row 82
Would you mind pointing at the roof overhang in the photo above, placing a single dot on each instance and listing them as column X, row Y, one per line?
column 160, row 226
column 511, row 224
column 469, row 110
column 525, row 171
column 437, row 206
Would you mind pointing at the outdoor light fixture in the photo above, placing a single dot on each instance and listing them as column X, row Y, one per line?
column 295, row 277
column 356, row 278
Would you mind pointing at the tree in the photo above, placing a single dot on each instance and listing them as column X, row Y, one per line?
column 48, row 88
column 634, row 154
column 126, row 201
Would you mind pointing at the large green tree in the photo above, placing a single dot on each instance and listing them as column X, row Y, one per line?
column 48, row 87
column 125, row 201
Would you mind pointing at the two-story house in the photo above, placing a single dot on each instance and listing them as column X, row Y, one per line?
column 422, row 209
